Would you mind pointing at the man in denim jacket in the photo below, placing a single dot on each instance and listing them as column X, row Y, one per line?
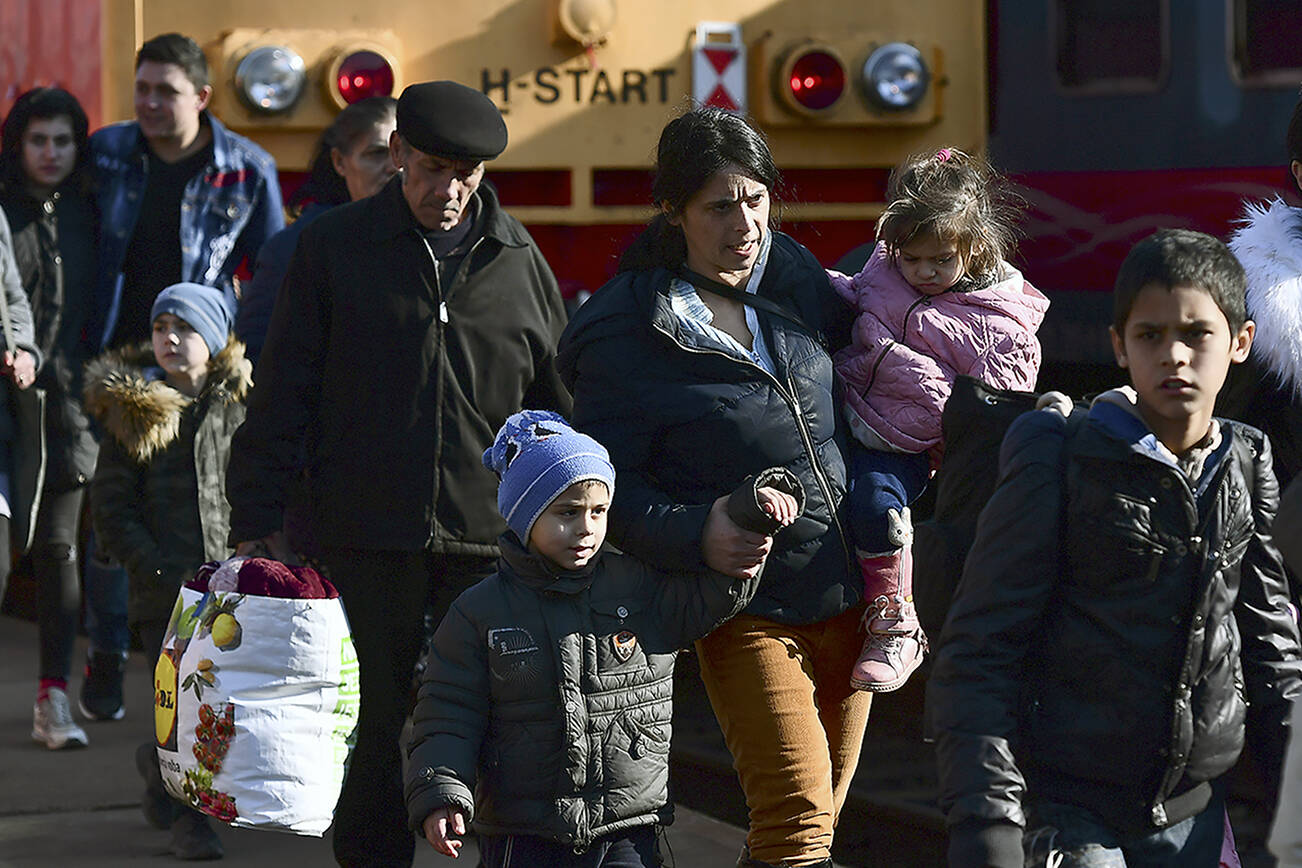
column 181, row 199
column 223, row 186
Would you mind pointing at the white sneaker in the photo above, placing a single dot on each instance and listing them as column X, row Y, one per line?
column 52, row 722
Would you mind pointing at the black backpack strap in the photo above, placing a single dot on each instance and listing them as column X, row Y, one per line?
column 754, row 299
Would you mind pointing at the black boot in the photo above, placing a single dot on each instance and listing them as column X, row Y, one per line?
column 193, row 838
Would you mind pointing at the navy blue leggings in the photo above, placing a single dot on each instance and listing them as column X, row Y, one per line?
column 880, row 481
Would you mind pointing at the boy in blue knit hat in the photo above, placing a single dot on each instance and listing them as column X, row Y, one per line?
column 545, row 708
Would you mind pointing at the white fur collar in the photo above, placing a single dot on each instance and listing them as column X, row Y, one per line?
column 1269, row 244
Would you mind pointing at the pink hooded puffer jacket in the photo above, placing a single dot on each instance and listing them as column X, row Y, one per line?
column 906, row 349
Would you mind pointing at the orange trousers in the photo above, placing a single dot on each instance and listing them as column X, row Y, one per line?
column 794, row 726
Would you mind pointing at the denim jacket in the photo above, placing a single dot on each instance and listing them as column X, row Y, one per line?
column 227, row 211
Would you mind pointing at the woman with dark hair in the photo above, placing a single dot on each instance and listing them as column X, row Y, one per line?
column 704, row 361
column 351, row 162
column 45, row 194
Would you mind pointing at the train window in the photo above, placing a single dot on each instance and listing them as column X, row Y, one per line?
column 1265, row 49
column 1110, row 46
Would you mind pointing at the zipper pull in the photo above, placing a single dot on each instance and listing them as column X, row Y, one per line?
column 443, row 311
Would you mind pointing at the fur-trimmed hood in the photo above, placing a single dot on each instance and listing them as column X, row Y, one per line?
column 125, row 392
column 1269, row 244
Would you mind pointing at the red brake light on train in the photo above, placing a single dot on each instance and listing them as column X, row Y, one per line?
column 359, row 74
column 812, row 80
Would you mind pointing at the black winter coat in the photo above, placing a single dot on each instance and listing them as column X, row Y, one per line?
column 393, row 383
column 549, row 694
column 157, row 498
column 55, row 247
column 1105, row 650
column 686, row 421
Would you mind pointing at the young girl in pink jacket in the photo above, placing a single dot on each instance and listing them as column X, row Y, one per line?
column 936, row 299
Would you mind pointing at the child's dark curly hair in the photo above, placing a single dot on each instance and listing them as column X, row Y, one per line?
column 955, row 197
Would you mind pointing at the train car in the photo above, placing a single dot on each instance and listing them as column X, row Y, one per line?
column 1115, row 116
column 1119, row 117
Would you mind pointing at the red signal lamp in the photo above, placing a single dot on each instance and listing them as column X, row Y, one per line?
column 358, row 74
column 812, row 79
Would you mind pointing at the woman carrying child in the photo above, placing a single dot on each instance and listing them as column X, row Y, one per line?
column 700, row 364
column 936, row 299
column 158, row 499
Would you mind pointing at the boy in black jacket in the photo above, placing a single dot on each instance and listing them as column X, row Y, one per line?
column 1123, row 610
column 549, row 686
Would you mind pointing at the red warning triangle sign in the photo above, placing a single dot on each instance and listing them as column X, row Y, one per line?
column 720, row 58
column 720, row 98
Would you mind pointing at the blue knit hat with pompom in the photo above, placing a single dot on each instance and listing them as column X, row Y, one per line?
column 537, row 455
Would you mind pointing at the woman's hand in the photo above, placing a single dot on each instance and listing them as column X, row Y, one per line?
column 440, row 826
column 730, row 550
column 273, row 546
column 20, row 367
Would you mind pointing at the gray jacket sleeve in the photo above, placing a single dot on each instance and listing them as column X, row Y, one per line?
column 20, row 309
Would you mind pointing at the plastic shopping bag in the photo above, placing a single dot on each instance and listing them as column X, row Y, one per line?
column 256, row 699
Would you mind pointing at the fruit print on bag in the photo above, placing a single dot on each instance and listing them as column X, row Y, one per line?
column 213, row 737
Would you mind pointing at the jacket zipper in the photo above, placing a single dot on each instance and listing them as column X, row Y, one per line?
column 904, row 333
column 443, row 319
column 1183, row 703
column 823, row 483
column 806, row 440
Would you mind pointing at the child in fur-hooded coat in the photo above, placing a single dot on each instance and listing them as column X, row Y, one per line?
column 158, row 499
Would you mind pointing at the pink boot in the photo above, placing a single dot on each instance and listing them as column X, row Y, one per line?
column 896, row 644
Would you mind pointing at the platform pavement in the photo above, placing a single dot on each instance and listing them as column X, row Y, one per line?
column 74, row 808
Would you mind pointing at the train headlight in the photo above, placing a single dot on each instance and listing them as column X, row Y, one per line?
column 812, row 79
column 270, row 79
column 895, row 76
column 360, row 73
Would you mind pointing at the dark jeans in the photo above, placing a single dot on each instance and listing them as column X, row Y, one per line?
column 1084, row 842
column 385, row 594
column 633, row 848
column 54, row 561
column 880, row 481
column 106, row 603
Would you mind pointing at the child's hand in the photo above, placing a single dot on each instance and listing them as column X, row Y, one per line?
column 440, row 825
column 779, row 505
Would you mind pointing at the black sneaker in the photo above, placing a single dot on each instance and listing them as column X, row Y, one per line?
column 193, row 838
column 101, row 689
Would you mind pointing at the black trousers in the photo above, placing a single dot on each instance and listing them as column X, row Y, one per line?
column 385, row 594
column 54, row 561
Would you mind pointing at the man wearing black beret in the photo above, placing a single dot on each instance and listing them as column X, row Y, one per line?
column 409, row 327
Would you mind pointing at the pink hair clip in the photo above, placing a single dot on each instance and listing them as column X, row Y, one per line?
column 944, row 154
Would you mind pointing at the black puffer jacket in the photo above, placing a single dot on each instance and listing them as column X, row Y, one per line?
column 55, row 248
column 551, row 693
column 393, row 381
column 1104, row 650
column 686, row 421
